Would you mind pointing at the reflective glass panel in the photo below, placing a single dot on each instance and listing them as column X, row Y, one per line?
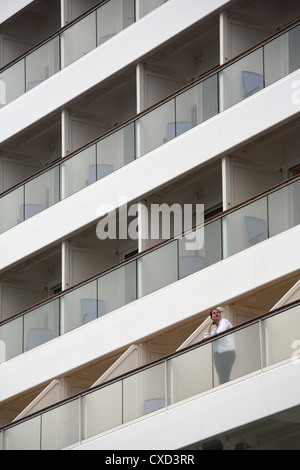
column 41, row 325
column 11, row 209
column 208, row 237
column 282, row 337
column 284, row 208
column 42, row 63
column 24, row 436
column 78, row 172
column 60, row 427
column 144, row 392
column 79, row 306
column 245, row 227
column 102, row 409
column 197, row 104
column 294, row 41
column 275, row 57
column 117, row 288
column 190, row 373
column 236, row 354
column 155, row 128
column 241, row 79
column 157, row 269
column 115, row 151
column 12, row 83
column 11, row 335
column 113, row 17
column 41, row 193
column 78, row 40
column 146, row 6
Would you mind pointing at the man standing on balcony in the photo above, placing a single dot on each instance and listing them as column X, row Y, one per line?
column 224, row 348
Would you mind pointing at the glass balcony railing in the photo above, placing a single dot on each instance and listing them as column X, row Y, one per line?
column 257, row 345
column 151, row 129
column 231, row 232
column 89, row 31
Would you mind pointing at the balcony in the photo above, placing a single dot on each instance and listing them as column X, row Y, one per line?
column 186, row 109
column 223, row 236
column 90, row 30
column 259, row 345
